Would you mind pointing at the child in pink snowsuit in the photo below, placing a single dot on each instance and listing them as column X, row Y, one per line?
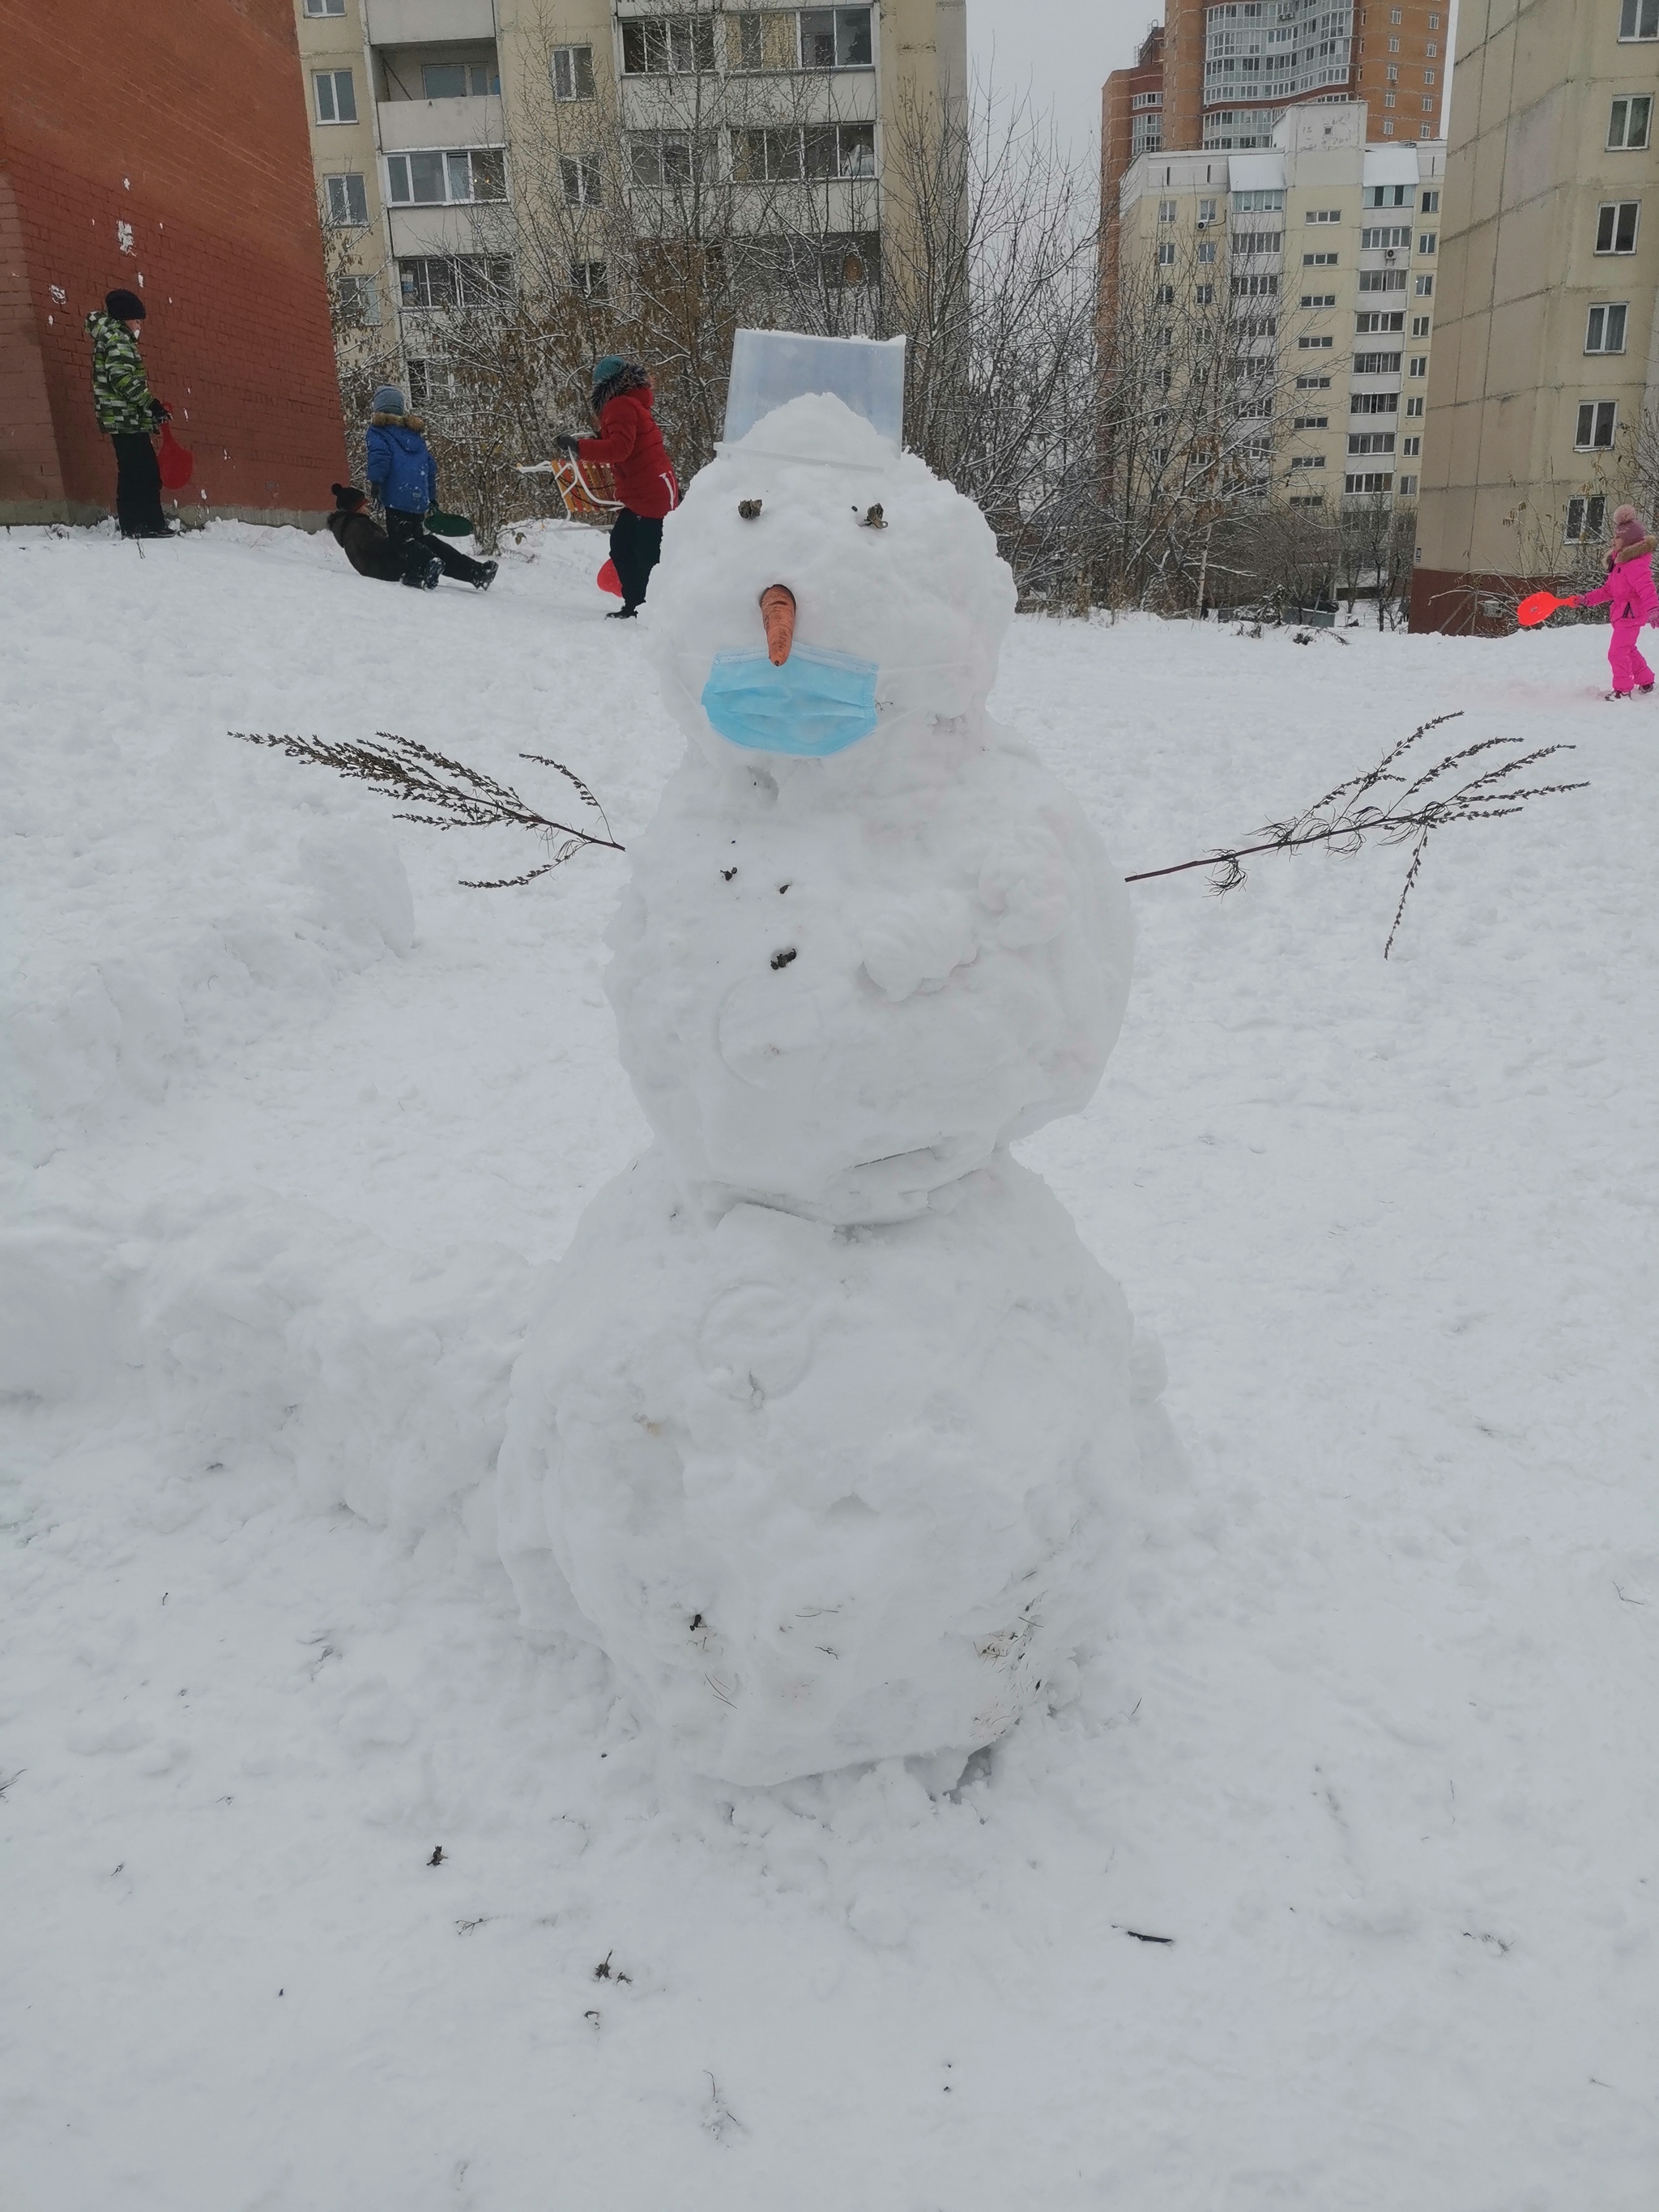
column 1631, row 599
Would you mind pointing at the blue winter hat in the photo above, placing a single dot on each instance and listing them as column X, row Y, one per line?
column 606, row 369
column 387, row 400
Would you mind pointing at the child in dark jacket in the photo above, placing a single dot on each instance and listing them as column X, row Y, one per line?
column 404, row 477
column 371, row 552
column 630, row 445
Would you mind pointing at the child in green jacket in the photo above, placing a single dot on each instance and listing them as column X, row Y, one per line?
column 127, row 414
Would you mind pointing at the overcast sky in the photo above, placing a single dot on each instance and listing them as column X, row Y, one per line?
column 1064, row 50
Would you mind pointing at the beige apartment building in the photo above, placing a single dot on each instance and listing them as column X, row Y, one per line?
column 1221, row 75
column 1323, row 249
column 1546, row 360
column 428, row 118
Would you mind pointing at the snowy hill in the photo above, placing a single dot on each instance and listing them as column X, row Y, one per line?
column 293, row 1120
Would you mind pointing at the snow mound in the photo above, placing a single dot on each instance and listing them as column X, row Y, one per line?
column 822, row 1429
column 824, row 1495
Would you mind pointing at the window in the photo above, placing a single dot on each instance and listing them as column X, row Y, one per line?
column 454, row 280
column 1166, row 254
column 1394, row 45
column 1598, row 419
column 1311, row 422
column 324, row 7
column 1319, row 261
column 1376, row 364
column 1419, row 326
column 472, row 172
column 588, row 278
column 1639, row 19
column 1408, row 487
column 1627, row 123
column 579, row 173
column 1392, row 73
column 1248, row 244
column 815, row 150
column 1586, row 518
column 1255, row 288
column 1204, row 295
column 1206, row 211
column 1315, row 345
column 1206, row 251
column 662, row 158
column 1615, row 226
column 1166, row 296
column 1427, row 241
column 1265, row 326
column 1371, row 322
column 337, row 101
column 1382, row 237
column 359, row 303
column 1411, row 447
column 1432, row 50
column 1319, row 299
column 1395, row 16
column 1419, row 364
column 1313, row 384
column 1373, row 402
column 1310, row 461
column 668, row 46
column 573, row 72
column 1414, row 405
column 1605, row 332
column 1422, row 287
column 1372, row 480
column 347, row 203
column 459, row 80
column 836, row 38
column 1382, row 280
column 1430, row 202
column 1258, row 203
column 1166, row 210
column 1390, row 196
column 1324, row 214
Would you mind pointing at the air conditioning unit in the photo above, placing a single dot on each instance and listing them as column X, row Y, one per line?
column 1388, row 254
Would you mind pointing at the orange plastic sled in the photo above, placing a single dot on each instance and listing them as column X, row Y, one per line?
column 1538, row 609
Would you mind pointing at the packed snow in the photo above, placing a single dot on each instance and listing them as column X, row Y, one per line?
column 823, row 1428
column 325, row 1884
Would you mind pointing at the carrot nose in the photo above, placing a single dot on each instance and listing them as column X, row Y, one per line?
column 777, row 606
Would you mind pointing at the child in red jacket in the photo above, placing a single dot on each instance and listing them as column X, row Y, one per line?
column 630, row 445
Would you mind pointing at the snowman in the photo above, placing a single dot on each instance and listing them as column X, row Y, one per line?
column 827, row 1423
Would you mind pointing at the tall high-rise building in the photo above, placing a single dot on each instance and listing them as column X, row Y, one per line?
column 1548, row 355
column 1223, row 76
column 1319, row 255
column 428, row 118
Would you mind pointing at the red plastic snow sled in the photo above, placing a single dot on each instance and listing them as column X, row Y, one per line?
column 177, row 463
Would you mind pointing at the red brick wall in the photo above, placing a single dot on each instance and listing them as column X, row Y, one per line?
column 186, row 124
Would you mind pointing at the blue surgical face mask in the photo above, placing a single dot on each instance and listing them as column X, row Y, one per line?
column 815, row 704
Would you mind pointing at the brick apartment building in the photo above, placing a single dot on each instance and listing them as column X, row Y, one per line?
column 165, row 150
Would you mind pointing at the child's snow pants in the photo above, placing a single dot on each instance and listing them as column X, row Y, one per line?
column 1625, row 657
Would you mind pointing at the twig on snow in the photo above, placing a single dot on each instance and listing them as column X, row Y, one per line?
column 1352, row 810
column 446, row 794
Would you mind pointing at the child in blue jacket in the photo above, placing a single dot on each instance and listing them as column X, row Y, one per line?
column 404, row 477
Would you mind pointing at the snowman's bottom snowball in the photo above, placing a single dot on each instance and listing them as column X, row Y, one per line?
column 824, row 1495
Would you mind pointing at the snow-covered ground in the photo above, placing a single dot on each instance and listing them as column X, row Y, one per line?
column 1371, row 1735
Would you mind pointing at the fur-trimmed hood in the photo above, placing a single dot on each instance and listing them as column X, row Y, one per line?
column 414, row 422
column 630, row 377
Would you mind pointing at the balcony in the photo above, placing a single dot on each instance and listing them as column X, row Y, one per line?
column 429, row 23
column 407, row 126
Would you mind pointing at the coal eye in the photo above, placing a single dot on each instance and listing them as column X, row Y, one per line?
column 749, row 508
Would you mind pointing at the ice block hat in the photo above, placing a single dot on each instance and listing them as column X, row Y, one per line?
column 771, row 368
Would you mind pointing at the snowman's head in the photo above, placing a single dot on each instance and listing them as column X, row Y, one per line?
column 886, row 600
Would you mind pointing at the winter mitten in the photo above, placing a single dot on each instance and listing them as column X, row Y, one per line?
column 567, row 444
